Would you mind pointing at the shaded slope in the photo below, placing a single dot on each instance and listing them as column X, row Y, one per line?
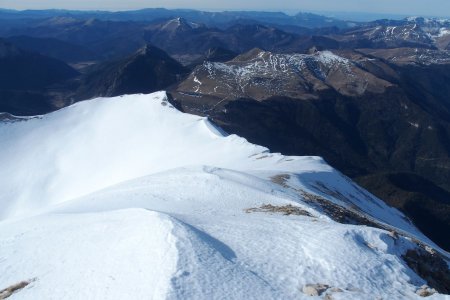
column 422, row 200
column 25, row 78
column 21, row 70
column 53, row 48
column 148, row 70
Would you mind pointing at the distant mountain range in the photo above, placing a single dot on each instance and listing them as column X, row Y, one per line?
column 72, row 38
column 217, row 19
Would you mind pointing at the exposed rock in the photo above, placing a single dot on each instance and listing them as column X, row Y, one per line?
column 431, row 267
column 425, row 291
column 5, row 293
column 336, row 212
column 393, row 234
column 287, row 210
column 315, row 289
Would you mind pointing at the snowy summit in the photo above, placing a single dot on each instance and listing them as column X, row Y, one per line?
column 129, row 198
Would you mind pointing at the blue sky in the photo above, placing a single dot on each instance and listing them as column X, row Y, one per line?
column 403, row 7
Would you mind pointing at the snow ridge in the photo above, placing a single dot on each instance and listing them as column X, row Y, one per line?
column 112, row 194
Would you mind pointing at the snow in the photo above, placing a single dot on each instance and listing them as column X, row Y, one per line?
column 410, row 32
column 443, row 32
column 63, row 251
column 267, row 63
column 328, row 57
column 199, row 84
column 128, row 198
column 58, row 162
column 434, row 28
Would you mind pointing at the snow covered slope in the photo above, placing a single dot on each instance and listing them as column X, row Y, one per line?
column 128, row 198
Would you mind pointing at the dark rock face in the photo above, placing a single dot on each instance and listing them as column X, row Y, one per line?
column 148, row 70
column 366, row 115
column 431, row 267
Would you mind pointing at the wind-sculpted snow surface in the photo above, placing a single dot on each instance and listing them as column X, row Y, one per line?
column 128, row 198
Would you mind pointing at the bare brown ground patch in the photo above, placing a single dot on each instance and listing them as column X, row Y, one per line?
column 7, row 292
column 286, row 210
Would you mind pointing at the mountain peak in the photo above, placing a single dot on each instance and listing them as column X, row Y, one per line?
column 148, row 70
column 178, row 24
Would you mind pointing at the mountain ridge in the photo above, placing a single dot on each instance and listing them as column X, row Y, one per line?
column 214, row 199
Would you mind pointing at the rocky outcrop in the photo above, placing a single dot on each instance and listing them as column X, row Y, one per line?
column 431, row 267
column 315, row 289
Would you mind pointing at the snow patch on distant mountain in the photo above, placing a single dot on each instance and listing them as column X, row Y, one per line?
column 443, row 32
column 409, row 33
column 262, row 74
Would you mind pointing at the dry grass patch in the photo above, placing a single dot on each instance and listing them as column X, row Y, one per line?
column 5, row 293
column 286, row 210
column 281, row 179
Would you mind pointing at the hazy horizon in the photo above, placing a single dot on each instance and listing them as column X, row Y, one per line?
column 380, row 7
